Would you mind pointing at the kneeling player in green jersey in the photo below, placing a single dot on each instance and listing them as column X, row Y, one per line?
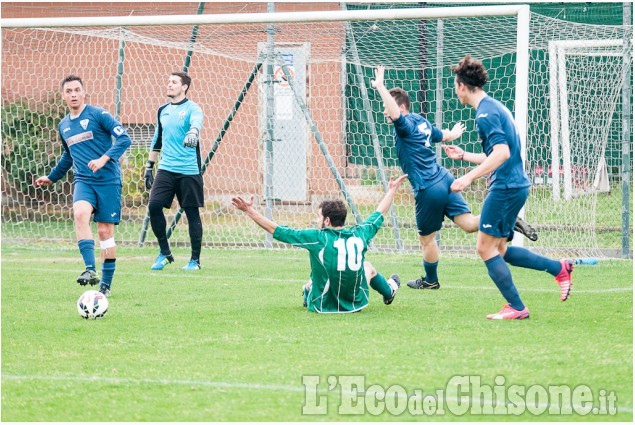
column 339, row 274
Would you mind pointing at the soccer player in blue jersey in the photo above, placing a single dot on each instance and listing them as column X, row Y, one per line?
column 179, row 124
column 340, row 275
column 508, row 190
column 414, row 139
column 86, row 134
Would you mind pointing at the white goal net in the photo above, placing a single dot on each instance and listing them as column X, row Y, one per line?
column 291, row 117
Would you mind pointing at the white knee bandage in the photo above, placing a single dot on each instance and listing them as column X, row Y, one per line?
column 108, row 243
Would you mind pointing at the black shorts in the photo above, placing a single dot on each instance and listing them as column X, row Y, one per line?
column 188, row 189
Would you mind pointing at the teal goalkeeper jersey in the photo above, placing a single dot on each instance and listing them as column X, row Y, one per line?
column 174, row 121
column 337, row 263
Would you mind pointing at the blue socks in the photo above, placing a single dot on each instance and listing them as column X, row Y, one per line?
column 522, row 257
column 87, row 250
column 108, row 271
column 431, row 271
column 379, row 284
column 519, row 257
column 502, row 277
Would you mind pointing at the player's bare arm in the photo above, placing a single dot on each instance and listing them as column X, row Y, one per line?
column 391, row 108
column 385, row 203
column 455, row 133
column 248, row 208
column 96, row 164
column 42, row 181
column 455, row 152
column 499, row 154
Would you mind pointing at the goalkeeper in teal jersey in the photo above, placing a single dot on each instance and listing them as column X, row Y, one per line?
column 339, row 273
column 179, row 124
column 87, row 134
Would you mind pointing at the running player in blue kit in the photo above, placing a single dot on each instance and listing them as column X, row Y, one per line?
column 86, row 134
column 414, row 140
column 508, row 190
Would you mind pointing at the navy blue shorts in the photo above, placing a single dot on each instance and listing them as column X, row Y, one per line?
column 105, row 199
column 187, row 188
column 500, row 210
column 435, row 202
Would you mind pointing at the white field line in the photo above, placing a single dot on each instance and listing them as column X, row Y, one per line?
column 182, row 276
column 136, row 381
column 179, row 275
column 555, row 289
column 230, row 385
column 74, row 257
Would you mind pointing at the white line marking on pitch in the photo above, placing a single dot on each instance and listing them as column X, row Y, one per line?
column 216, row 384
column 192, row 276
column 115, row 380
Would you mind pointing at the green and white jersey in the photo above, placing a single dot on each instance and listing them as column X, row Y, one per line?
column 337, row 263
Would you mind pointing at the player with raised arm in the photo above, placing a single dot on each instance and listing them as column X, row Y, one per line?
column 179, row 123
column 339, row 273
column 508, row 190
column 414, row 140
column 86, row 134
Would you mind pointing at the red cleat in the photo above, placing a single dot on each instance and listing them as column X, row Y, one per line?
column 564, row 279
column 509, row 313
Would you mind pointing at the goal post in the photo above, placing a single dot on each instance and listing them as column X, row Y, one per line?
column 568, row 59
column 290, row 114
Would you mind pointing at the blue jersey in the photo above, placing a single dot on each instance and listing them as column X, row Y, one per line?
column 414, row 136
column 88, row 137
column 174, row 121
column 495, row 126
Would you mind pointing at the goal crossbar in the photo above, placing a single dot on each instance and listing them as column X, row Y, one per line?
column 263, row 18
column 515, row 18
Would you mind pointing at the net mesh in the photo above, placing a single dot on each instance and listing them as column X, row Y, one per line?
column 317, row 133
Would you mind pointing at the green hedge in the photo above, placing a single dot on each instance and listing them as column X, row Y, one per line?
column 30, row 144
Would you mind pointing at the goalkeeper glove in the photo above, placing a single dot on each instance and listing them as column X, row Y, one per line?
column 148, row 177
column 191, row 138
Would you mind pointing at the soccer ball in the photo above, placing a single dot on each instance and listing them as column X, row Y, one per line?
column 92, row 305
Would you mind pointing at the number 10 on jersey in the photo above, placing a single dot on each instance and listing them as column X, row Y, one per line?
column 349, row 252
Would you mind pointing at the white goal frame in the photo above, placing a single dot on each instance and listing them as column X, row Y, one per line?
column 559, row 111
column 520, row 12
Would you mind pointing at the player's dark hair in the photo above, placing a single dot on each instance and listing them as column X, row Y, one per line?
column 70, row 78
column 185, row 79
column 470, row 72
column 334, row 210
column 400, row 96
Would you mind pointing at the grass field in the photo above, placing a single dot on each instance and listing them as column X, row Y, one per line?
column 232, row 341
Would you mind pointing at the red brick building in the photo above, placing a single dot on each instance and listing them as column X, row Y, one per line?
column 34, row 62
